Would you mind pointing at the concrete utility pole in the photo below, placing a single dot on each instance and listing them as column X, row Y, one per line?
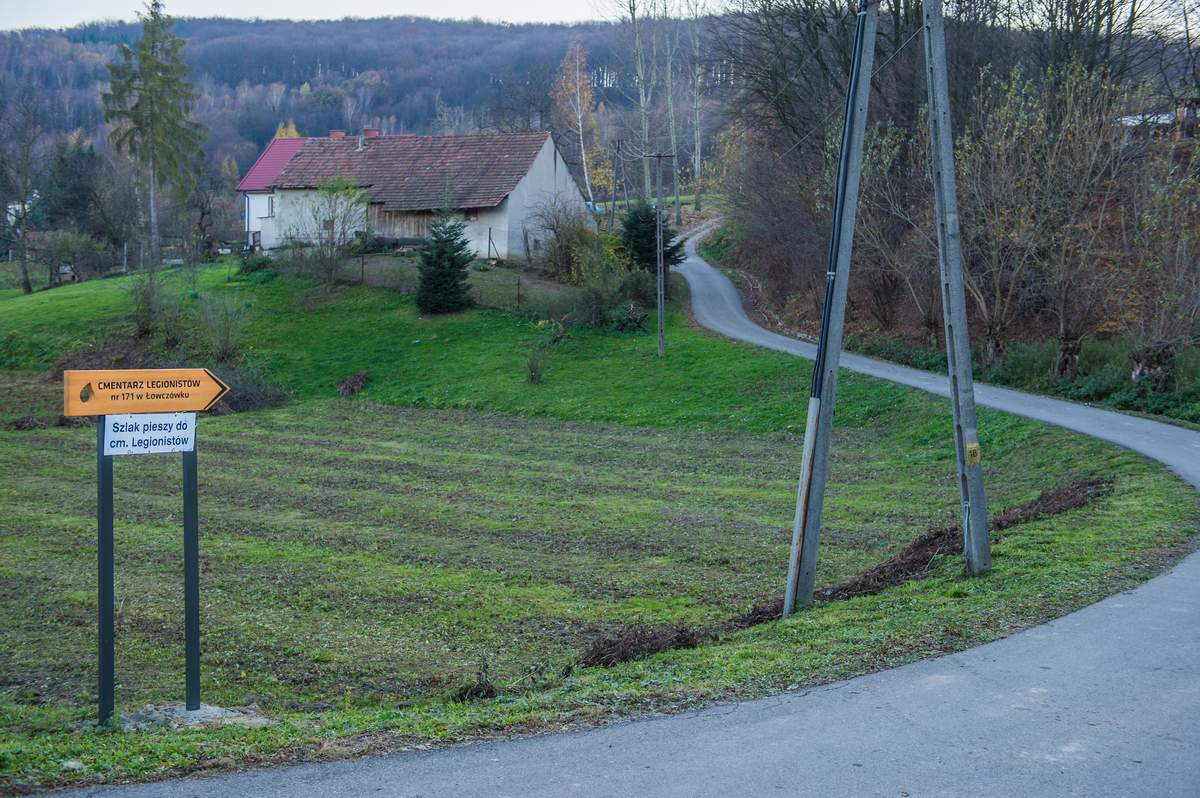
column 658, row 249
column 976, row 545
column 810, row 498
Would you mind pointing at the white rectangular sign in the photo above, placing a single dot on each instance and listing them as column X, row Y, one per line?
column 149, row 433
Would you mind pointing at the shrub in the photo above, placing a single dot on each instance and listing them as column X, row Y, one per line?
column 1024, row 365
column 716, row 246
column 640, row 287
column 224, row 322
column 592, row 308
column 79, row 251
column 365, row 243
column 248, row 388
column 576, row 252
column 146, row 294
column 535, row 363
column 294, row 257
column 251, row 263
column 352, row 384
column 171, row 321
column 628, row 317
column 1142, row 395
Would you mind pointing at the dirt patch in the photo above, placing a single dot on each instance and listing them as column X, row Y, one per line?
column 352, row 384
column 917, row 558
column 25, row 424
column 118, row 353
column 481, row 689
column 636, row 642
column 73, row 421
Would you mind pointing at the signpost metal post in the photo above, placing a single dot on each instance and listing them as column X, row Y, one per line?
column 104, row 559
column 191, row 579
column 142, row 412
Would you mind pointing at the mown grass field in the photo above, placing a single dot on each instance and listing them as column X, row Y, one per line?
column 363, row 558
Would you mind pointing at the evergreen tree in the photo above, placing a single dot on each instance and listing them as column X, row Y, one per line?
column 150, row 102
column 638, row 238
column 70, row 183
column 443, row 267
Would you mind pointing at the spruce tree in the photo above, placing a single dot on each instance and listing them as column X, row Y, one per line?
column 444, row 261
column 150, row 101
column 638, row 238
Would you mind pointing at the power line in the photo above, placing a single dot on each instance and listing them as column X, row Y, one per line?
column 831, row 114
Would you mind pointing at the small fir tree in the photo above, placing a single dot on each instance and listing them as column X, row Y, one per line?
column 638, row 239
column 443, row 267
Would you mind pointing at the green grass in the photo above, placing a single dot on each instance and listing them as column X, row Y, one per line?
column 362, row 557
column 499, row 286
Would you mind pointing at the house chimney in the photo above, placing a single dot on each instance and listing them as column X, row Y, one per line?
column 370, row 132
column 362, row 143
column 337, row 134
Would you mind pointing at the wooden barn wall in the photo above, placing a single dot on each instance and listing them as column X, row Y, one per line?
column 399, row 224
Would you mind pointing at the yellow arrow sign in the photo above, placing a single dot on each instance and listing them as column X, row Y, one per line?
column 101, row 393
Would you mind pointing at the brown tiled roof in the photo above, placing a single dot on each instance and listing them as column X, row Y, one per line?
column 418, row 173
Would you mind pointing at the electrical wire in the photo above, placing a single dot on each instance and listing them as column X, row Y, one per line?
column 831, row 114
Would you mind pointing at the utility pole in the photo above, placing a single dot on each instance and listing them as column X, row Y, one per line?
column 810, row 497
column 658, row 249
column 954, row 304
column 612, row 200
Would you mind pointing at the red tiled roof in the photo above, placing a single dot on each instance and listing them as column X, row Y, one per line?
column 268, row 166
column 418, row 173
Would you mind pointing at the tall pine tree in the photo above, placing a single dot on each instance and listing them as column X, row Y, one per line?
column 444, row 261
column 150, row 102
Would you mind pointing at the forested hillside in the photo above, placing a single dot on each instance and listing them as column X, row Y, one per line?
column 399, row 74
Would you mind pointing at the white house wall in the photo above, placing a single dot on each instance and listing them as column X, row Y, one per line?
column 548, row 181
column 295, row 218
column 492, row 222
column 257, row 208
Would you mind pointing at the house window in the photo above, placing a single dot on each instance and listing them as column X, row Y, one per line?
column 270, row 205
column 471, row 214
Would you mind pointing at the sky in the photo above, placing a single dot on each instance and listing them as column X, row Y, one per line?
column 15, row 14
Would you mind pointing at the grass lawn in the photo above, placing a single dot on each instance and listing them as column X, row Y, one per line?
column 363, row 558
column 501, row 287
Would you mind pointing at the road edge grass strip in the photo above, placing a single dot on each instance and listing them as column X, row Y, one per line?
column 915, row 562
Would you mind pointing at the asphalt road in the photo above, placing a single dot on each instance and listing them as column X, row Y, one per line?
column 1103, row 702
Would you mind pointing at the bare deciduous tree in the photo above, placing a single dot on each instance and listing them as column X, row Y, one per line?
column 1161, row 214
column 22, row 127
column 574, row 105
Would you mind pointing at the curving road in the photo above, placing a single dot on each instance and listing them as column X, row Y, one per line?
column 1103, row 702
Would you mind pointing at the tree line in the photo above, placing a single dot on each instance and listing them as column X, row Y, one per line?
column 1077, row 170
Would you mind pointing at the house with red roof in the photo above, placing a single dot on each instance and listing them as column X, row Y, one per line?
column 501, row 185
column 257, row 189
